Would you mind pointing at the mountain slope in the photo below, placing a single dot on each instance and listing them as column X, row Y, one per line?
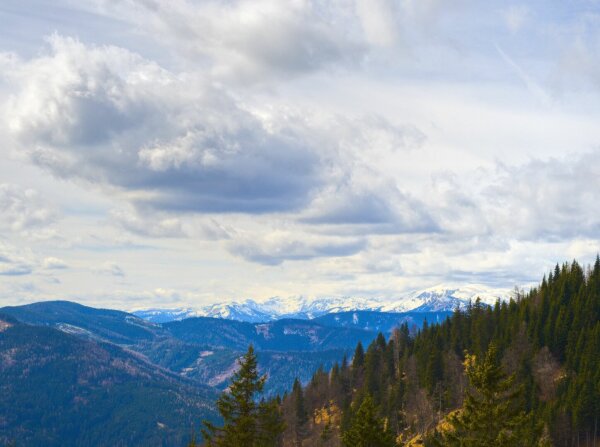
column 442, row 298
column 281, row 335
column 105, row 324
column 384, row 322
column 57, row 389
column 205, row 349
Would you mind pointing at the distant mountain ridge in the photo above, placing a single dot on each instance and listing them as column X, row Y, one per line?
column 103, row 357
column 441, row 298
column 206, row 349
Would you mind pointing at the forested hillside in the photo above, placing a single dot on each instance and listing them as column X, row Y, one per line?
column 543, row 365
column 206, row 349
column 57, row 389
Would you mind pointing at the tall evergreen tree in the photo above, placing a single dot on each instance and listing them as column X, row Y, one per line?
column 245, row 422
column 359, row 356
column 491, row 415
column 300, row 414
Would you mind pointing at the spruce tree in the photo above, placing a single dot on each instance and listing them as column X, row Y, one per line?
column 358, row 364
column 491, row 415
column 359, row 356
column 300, row 416
column 245, row 422
column 367, row 429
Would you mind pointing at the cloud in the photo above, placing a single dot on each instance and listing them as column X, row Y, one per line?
column 345, row 209
column 23, row 210
column 107, row 116
column 80, row 96
column 547, row 199
column 9, row 269
column 175, row 143
column 379, row 21
column 148, row 224
column 343, row 135
column 578, row 65
column 250, row 39
column 110, row 268
column 275, row 247
column 52, row 263
column 541, row 200
column 12, row 263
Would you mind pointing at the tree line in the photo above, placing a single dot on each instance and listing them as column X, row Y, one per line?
column 525, row 372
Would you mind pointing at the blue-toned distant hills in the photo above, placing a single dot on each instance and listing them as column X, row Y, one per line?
column 76, row 375
column 59, row 389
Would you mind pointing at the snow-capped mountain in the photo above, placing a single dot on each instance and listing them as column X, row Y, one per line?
column 435, row 299
column 446, row 298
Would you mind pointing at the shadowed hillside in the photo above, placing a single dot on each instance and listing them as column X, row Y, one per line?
column 58, row 390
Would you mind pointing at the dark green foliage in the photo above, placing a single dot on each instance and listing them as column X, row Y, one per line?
column 300, row 415
column 203, row 350
column 246, row 423
column 270, row 424
column 547, row 341
column 492, row 413
column 367, row 429
column 358, row 362
column 359, row 356
column 59, row 390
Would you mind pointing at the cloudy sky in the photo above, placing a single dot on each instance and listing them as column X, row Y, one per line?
column 181, row 152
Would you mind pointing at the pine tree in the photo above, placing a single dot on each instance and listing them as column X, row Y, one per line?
column 245, row 423
column 491, row 415
column 359, row 356
column 300, row 416
column 367, row 429
column 358, row 365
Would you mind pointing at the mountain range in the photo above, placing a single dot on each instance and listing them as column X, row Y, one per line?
column 106, row 377
column 442, row 298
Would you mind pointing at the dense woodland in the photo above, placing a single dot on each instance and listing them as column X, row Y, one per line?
column 520, row 373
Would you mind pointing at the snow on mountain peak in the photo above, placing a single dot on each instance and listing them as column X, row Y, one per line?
column 443, row 297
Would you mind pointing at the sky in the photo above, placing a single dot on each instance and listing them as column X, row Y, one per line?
column 179, row 153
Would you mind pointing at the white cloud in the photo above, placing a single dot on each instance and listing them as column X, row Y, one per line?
column 149, row 224
column 52, row 263
column 175, row 143
column 249, row 39
column 110, row 268
column 13, row 262
column 23, row 209
column 107, row 116
column 379, row 21
column 81, row 96
column 277, row 246
column 379, row 145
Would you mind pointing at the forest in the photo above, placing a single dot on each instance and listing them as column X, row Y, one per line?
column 524, row 372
